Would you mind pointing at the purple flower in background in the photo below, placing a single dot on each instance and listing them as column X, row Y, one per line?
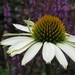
column 7, row 15
column 16, row 65
column 71, row 26
column 54, row 7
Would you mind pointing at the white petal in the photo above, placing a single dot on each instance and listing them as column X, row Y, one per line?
column 48, row 52
column 22, row 50
column 71, row 44
column 12, row 40
column 70, row 51
column 14, row 34
column 61, row 58
column 31, row 52
column 68, row 34
column 21, row 27
column 71, row 38
column 20, row 45
column 28, row 22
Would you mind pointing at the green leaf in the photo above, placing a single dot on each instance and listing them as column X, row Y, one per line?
column 2, row 71
column 43, row 73
column 38, row 64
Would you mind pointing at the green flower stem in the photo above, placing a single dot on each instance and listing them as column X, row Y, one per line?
column 48, row 69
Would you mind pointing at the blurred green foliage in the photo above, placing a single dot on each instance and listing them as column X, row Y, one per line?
column 71, row 1
column 4, row 71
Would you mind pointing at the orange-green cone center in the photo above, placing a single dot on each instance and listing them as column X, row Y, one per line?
column 50, row 29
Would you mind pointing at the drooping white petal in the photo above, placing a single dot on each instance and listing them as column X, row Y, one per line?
column 28, row 22
column 31, row 52
column 71, row 44
column 70, row 51
column 12, row 40
column 68, row 34
column 21, row 50
column 60, row 57
column 19, row 45
column 15, row 34
column 21, row 27
column 71, row 38
column 48, row 52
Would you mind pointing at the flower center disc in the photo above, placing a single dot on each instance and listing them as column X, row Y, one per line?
column 50, row 29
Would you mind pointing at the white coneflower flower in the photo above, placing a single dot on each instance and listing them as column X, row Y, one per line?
column 47, row 34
